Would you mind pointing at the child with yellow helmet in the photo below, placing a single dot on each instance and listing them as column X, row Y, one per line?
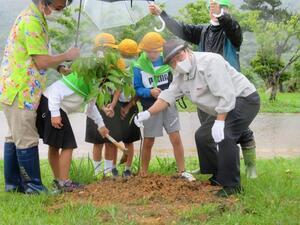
column 105, row 42
column 151, row 76
column 129, row 51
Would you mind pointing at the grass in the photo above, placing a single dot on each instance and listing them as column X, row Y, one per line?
column 273, row 198
column 285, row 103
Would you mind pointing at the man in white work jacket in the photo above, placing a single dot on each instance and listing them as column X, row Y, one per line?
column 219, row 90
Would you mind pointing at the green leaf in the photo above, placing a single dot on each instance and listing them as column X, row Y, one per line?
column 100, row 100
column 110, row 85
column 115, row 80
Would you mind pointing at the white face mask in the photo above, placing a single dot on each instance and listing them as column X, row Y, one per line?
column 184, row 66
column 54, row 15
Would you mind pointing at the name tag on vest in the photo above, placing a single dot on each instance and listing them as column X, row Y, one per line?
column 148, row 79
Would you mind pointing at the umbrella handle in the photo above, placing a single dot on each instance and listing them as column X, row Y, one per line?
column 78, row 24
column 163, row 25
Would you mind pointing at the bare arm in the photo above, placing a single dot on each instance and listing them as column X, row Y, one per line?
column 115, row 99
column 49, row 61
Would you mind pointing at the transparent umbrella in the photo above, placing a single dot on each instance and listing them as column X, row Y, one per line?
column 114, row 13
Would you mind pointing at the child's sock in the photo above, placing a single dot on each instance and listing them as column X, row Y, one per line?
column 128, row 168
column 97, row 164
column 108, row 164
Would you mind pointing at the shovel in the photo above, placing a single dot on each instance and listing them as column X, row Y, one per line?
column 117, row 144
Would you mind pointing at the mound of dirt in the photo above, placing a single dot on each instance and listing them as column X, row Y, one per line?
column 154, row 199
column 150, row 189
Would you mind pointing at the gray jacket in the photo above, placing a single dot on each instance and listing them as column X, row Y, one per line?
column 213, row 85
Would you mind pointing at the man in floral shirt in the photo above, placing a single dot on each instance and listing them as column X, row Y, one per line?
column 22, row 80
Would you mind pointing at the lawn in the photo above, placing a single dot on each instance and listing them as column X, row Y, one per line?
column 273, row 198
column 285, row 103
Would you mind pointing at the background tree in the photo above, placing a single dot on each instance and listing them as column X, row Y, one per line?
column 278, row 42
column 270, row 9
column 195, row 13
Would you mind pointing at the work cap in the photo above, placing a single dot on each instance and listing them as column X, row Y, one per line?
column 172, row 48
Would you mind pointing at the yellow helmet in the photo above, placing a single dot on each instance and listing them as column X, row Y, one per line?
column 129, row 47
column 105, row 40
column 152, row 41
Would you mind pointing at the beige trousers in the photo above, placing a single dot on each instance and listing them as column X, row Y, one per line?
column 21, row 126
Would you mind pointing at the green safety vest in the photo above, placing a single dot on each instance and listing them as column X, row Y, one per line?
column 145, row 64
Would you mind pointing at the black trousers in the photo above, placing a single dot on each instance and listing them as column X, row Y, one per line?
column 225, row 163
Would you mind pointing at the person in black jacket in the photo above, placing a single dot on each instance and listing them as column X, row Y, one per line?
column 223, row 36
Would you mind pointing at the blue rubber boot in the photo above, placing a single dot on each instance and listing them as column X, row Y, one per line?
column 12, row 177
column 29, row 164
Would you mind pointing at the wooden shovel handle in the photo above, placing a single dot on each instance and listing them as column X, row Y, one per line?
column 117, row 144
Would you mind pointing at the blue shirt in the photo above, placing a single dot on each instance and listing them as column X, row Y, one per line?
column 143, row 83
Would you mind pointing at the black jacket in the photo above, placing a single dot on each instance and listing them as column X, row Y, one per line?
column 225, row 39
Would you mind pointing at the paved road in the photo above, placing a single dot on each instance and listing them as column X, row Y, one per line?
column 276, row 135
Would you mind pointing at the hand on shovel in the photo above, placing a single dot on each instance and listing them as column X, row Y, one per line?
column 103, row 131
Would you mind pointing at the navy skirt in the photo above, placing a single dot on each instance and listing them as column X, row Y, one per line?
column 58, row 138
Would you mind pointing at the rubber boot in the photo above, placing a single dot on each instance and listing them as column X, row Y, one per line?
column 249, row 155
column 12, row 177
column 29, row 164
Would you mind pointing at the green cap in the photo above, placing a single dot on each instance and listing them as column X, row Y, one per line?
column 220, row 2
column 223, row 2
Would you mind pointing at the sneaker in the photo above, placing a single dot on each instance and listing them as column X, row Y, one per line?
column 70, row 186
column 226, row 191
column 127, row 173
column 213, row 181
column 187, row 176
column 115, row 172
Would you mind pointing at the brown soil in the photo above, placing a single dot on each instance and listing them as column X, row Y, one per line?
column 148, row 200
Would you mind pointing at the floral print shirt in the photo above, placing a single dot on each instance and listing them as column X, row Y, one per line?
column 19, row 75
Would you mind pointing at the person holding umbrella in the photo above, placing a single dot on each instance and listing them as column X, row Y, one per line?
column 23, row 78
column 151, row 76
column 221, row 91
column 223, row 36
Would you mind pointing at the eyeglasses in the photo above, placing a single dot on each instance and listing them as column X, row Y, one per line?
column 177, row 58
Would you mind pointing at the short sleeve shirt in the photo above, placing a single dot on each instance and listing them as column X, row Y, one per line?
column 18, row 73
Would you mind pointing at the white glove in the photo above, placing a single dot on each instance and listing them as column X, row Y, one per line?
column 217, row 130
column 140, row 117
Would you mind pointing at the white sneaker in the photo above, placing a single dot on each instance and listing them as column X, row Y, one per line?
column 188, row 176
